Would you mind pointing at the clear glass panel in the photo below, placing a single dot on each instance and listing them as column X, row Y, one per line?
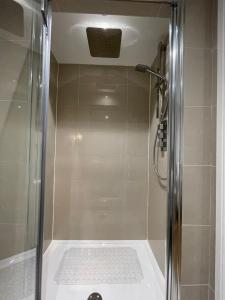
column 20, row 144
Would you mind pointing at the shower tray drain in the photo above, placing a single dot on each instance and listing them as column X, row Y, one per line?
column 105, row 265
column 95, row 296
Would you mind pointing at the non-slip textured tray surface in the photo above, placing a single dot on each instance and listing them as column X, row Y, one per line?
column 103, row 265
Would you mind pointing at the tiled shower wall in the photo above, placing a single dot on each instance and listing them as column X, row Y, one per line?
column 102, row 153
column 157, row 201
column 198, row 260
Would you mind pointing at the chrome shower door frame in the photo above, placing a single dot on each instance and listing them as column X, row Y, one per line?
column 175, row 147
column 175, row 153
column 46, row 12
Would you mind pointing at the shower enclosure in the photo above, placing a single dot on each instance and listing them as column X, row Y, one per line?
column 82, row 223
column 88, row 143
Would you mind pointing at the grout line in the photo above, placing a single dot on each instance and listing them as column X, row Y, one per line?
column 19, row 162
column 13, row 224
column 56, row 126
column 195, row 225
column 198, row 48
column 198, row 106
column 201, row 284
column 189, row 165
column 14, row 101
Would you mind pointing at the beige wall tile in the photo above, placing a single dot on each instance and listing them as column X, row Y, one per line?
column 195, row 255
column 213, row 196
column 15, row 61
column 197, row 77
column 212, row 258
column 102, row 142
column 165, row 11
column 138, row 104
column 14, row 131
column 13, row 193
column 102, row 224
column 67, row 94
column 12, row 239
column 140, row 80
column 213, row 134
column 102, row 75
column 214, row 76
column 68, row 73
column 68, row 85
column 136, row 167
column 157, row 212
column 214, row 22
column 89, row 167
column 211, row 295
column 157, row 202
column 159, row 249
column 198, row 24
column 137, row 139
column 197, row 136
column 213, row 229
column 106, row 97
column 196, row 195
column 194, row 292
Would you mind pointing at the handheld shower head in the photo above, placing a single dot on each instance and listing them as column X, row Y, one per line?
column 143, row 69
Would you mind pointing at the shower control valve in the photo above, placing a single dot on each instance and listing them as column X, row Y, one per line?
column 162, row 135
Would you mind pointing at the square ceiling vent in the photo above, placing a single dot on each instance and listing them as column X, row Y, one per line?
column 104, row 42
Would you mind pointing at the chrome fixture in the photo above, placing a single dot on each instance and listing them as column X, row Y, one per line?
column 175, row 153
column 161, row 132
column 144, row 69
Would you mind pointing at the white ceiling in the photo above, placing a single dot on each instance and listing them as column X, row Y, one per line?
column 114, row 7
column 140, row 38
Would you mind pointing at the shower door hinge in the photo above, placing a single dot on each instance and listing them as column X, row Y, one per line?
column 44, row 11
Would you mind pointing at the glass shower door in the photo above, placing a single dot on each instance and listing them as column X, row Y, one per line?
column 21, row 119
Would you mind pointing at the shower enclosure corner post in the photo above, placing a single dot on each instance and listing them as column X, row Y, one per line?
column 46, row 12
column 174, row 226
